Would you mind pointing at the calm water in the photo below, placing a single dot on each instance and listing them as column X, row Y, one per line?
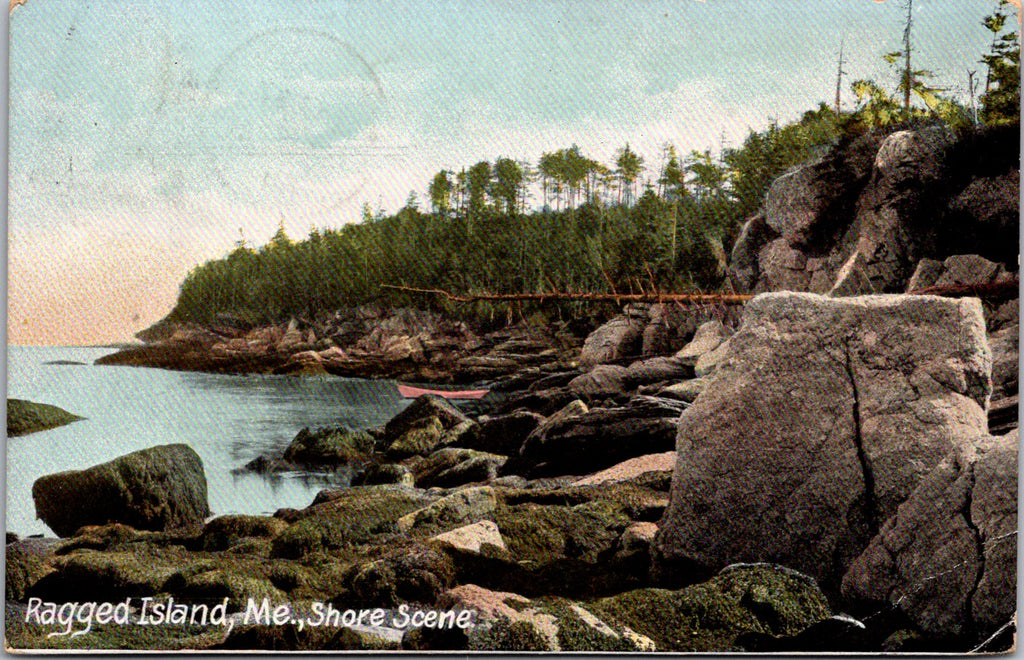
column 228, row 420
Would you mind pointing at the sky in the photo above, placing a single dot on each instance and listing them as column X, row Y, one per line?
column 146, row 137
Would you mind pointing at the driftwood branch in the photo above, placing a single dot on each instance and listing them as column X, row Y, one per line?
column 996, row 290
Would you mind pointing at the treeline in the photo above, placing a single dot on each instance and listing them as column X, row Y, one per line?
column 570, row 222
column 595, row 231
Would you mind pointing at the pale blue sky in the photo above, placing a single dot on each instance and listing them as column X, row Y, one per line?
column 143, row 136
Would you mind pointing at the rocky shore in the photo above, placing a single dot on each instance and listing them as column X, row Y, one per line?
column 830, row 467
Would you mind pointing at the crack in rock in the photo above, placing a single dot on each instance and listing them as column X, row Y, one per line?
column 870, row 503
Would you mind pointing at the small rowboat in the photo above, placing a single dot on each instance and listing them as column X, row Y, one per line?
column 410, row 392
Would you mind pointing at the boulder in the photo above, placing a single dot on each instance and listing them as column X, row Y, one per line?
column 354, row 516
column 471, row 538
column 225, row 531
column 840, row 407
column 385, row 473
column 708, row 337
column 967, row 269
column 597, row 439
column 806, row 229
column 925, row 275
column 604, row 380
column 421, row 409
column 426, row 469
column 783, row 267
column 709, row 617
column 477, row 467
column 631, row 469
column 329, row 446
column 794, row 203
column 687, row 391
column 27, row 561
column 25, row 417
column 948, row 558
column 462, row 507
column 104, row 576
column 657, row 369
column 744, row 266
column 1005, row 345
column 508, row 622
column 418, row 439
column 419, row 573
column 619, row 338
column 905, row 179
column 708, row 362
column 158, row 488
column 503, row 434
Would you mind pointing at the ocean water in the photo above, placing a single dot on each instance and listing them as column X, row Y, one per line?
column 227, row 419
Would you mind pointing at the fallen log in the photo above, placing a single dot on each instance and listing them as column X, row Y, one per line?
column 1006, row 290
column 587, row 296
column 996, row 290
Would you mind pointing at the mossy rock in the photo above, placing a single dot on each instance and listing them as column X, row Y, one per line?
column 642, row 498
column 338, row 446
column 418, row 573
column 214, row 585
column 291, row 638
column 552, row 549
column 462, row 507
column 226, row 531
column 95, row 575
column 100, row 537
column 24, row 417
column 421, row 410
column 478, row 468
column 421, row 438
column 112, row 637
column 27, row 561
column 385, row 473
column 357, row 516
column 510, row 622
column 538, row 533
column 510, row 636
column 710, row 616
column 158, row 488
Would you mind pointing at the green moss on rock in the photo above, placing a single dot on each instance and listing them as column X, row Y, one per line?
column 24, row 417
column 538, row 533
column 709, row 616
column 355, row 517
column 158, row 488
column 26, row 563
column 505, row 635
column 416, row 573
column 224, row 532
column 329, row 446
column 421, row 438
column 107, row 575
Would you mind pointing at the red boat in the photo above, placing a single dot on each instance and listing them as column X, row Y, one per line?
column 410, row 392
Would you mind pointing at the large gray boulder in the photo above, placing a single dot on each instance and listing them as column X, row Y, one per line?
column 154, row 489
column 947, row 559
column 820, row 420
column 1005, row 345
column 907, row 170
column 617, row 339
